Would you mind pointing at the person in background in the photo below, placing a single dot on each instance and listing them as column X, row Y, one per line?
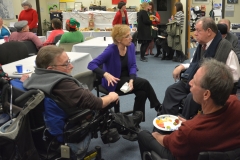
column 155, row 22
column 231, row 37
column 144, row 30
column 215, row 129
column 74, row 35
column 23, row 34
column 121, row 15
column 4, row 31
column 179, row 17
column 119, row 67
column 29, row 15
column 57, row 26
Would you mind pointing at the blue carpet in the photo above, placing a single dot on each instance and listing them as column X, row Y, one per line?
column 159, row 74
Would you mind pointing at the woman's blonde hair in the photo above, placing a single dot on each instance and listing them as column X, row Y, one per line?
column 119, row 31
column 143, row 5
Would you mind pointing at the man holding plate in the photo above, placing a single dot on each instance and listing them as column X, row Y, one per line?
column 215, row 129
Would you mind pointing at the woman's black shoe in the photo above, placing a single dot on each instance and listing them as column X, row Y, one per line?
column 143, row 59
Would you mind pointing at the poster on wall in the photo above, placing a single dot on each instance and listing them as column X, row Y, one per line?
column 52, row 8
column 117, row 1
column 162, row 5
column 6, row 9
column 145, row 1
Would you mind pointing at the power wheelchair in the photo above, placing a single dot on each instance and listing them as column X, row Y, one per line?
column 34, row 141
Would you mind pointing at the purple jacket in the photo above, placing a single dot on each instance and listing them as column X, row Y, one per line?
column 111, row 62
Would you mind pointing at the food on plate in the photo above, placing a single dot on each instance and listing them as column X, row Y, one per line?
column 168, row 123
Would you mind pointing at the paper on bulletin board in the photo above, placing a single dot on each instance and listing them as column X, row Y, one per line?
column 229, row 7
column 217, row 13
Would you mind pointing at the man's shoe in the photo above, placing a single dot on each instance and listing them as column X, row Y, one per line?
column 143, row 59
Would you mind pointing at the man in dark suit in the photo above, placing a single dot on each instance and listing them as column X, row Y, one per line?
column 231, row 37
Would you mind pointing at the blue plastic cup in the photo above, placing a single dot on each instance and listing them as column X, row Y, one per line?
column 19, row 68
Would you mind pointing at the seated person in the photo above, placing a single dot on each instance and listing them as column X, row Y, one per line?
column 52, row 76
column 57, row 26
column 4, row 31
column 119, row 66
column 210, row 46
column 74, row 35
column 215, row 129
column 231, row 37
column 23, row 34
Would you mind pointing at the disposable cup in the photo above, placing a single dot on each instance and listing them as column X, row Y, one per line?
column 5, row 38
column 19, row 68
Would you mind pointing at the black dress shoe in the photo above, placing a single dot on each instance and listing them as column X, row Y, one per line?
column 144, row 59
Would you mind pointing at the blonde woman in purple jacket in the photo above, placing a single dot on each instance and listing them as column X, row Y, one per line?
column 119, row 66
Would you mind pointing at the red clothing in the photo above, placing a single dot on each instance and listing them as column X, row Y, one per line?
column 155, row 22
column 118, row 18
column 23, row 36
column 31, row 16
column 53, row 34
column 219, row 131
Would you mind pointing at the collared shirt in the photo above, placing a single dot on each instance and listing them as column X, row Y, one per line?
column 232, row 62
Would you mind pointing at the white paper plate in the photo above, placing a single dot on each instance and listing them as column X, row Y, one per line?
column 166, row 122
column 161, row 36
column 24, row 72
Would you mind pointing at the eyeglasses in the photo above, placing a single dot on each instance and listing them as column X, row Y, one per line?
column 128, row 36
column 66, row 64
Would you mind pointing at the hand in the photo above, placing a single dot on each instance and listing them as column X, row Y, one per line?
column 172, row 17
column 110, row 78
column 182, row 119
column 24, row 77
column 114, row 96
column 130, row 85
column 177, row 71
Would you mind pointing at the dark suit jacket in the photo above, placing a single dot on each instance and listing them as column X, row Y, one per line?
column 234, row 41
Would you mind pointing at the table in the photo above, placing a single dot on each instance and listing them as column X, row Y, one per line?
column 93, row 46
column 78, row 60
column 2, row 41
column 102, row 19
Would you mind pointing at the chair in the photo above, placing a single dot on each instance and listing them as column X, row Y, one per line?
column 31, row 47
column 57, row 38
column 210, row 155
column 100, row 89
column 12, row 51
column 67, row 46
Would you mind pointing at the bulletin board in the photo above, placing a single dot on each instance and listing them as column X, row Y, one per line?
column 117, row 1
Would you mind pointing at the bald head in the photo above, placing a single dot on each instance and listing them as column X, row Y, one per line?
column 225, row 21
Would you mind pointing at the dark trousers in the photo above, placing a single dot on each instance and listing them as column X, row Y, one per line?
column 142, row 90
column 34, row 30
column 148, row 143
column 173, row 96
column 143, row 48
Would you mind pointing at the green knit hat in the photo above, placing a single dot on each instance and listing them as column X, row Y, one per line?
column 73, row 23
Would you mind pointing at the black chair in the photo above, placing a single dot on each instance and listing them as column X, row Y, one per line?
column 31, row 47
column 57, row 38
column 12, row 51
column 210, row 155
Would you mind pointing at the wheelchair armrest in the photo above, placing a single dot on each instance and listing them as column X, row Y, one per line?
column 79, row 116
column 26, row 95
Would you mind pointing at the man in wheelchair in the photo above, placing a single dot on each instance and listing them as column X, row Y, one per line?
column 65, row 98
column 215, row 129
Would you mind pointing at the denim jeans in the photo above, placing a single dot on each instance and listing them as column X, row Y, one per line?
column 79, row 150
